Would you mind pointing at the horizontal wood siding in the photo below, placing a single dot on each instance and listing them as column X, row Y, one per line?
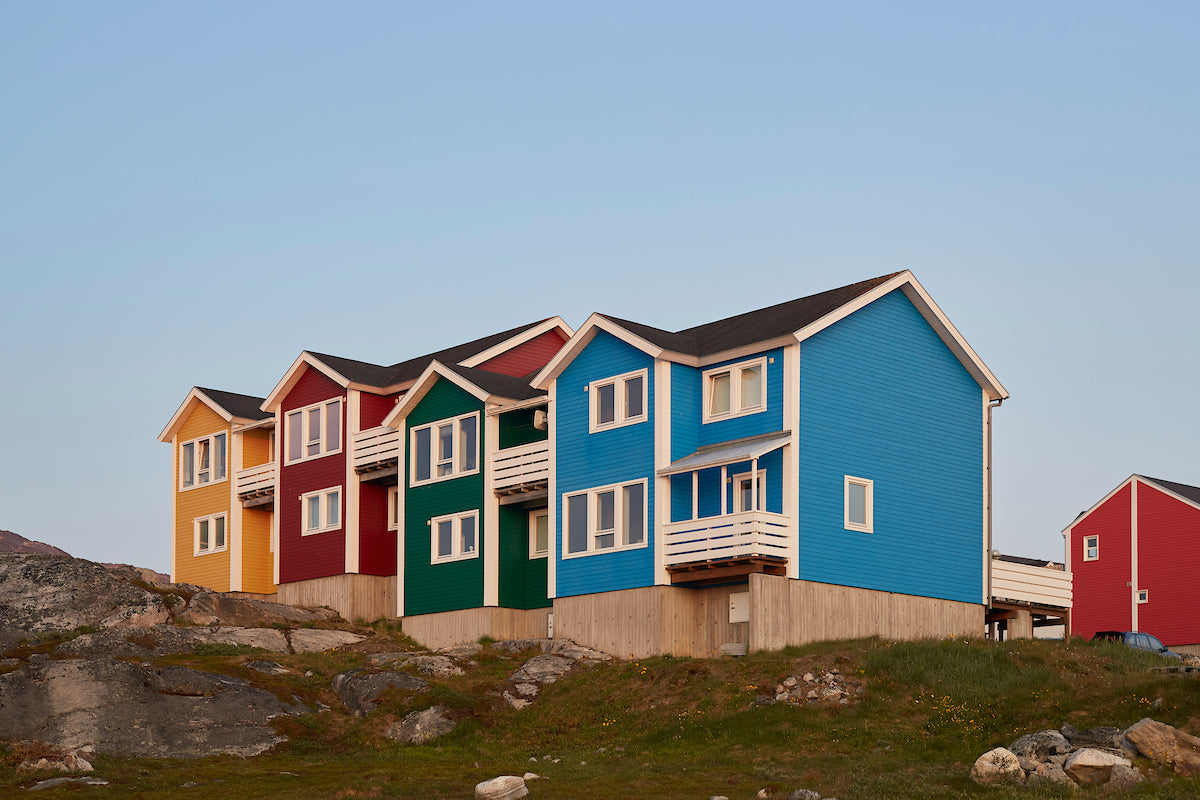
column 258, row 562
column 256, row 447
column 1168, row 563
column 372, row 408
column 789, row 612
column 769, row 420
column 522, row 579
column 516, row 428
column 1102, row 596
column 451, row 628
column 355, row 597
column 377, row 545
column 882, row 398
column 210, row 570
column 686, row 410
column 431, row 588
column 528, row 357
column 320, row 555
column 587, row 460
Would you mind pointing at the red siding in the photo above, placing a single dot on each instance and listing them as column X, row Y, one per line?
column 1101, row 596
column 322, row 554
column 528, row 357
column 1168, row 558
column 372, row 408
column 377, row 545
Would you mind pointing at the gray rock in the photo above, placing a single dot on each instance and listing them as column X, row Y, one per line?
column 462, row 651
column 511, row 646
column 52, row 782
column 543, row 669
column 997, row 766
column 1102, row 738
column 1166, row 745
column 1092, row 767
column 1049, row 772
column 122, row 709
column 312, row 640
column 67, row 762
column 1122, row 779
column 575, row 652
column 208, row 608
column 804, row 794
column 421, row 726
column 360, row 690
column 437, row 666
column 267, row 667
column 1038, row 746
column 506, row 787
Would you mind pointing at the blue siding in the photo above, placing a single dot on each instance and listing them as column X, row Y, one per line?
column 585, row 460
column 767, row 421
column 685, row 410
column 709, row 485
column 881, row 397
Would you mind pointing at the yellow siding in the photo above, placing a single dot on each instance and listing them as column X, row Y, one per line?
column 210, row 570
column 255, row 447
column 258, row 562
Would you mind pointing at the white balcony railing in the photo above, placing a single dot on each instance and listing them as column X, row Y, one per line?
column 374, row 446
column 255, row 481
column 516, row 468
column 1026, row 584
column 742, row 535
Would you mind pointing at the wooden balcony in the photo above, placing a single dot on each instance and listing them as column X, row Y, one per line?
column 520, row 473
column 1029, row 585
column 712, row 549
column 256, row 485
column 375, row 452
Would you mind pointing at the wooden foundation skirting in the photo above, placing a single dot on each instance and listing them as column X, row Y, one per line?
column 355, row 597
column 449, row 628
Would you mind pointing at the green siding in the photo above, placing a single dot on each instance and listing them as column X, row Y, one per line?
column 516, row 429
column 522, row 580
column 429, row 588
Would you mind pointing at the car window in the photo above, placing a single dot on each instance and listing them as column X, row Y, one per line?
column 1153, row 643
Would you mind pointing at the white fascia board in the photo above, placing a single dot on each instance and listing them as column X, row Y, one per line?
column 742, row 352
column 1067, row 530
column 516, row 405
column 581, row 338
column 934, row 315
column 241, row 425
column 518, row 340
column 422, row 386
column 1160, row 488
column 194, row 396
column 292, row 376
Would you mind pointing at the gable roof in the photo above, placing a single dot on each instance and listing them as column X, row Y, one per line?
column 229, row 406
column 1182, row 491
column 487, row 387
column 793, row 320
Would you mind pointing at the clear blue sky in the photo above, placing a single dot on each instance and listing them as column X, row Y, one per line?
column 191, row 194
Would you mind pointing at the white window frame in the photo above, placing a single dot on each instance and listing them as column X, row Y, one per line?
column 620, row 536
column 456, row 544
column 1095, row 556
column 456, row 459
column 621, row 416
column 737, row 407
column 322, row 511
column 534, row 552
column 306, row 434
column 393, row 508
column 762, row 491
column 197, row 550
column 869, row 504
column 1143, row 596
column 218, row 471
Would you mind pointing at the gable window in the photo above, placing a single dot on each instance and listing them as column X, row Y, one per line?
column 1143, row 596
column 202, row 461
column 445, row 449
column 743, row 492
column 735, row 390
column 393, row 504
column 314, row 431
column 1091, row 548
column 616, row 402
column 539, row 533
column 209, row 534
column 454, row 537
column 605, row 518
column 859, row 504
column 321, row 511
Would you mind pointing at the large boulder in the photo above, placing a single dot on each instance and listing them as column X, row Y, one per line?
column 421, row 726
column 360, row 690
column 1092, row 767
column 542, row 669
column 208, row 608
column 1164, row 744
column 123, row 709
column 1040, row 746
column 997, row 766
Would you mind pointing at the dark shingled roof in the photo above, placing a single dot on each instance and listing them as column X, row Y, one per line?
column 751, row 327
column 1029, row 562
column 1182, row 489
column 496, row 384
column 376, row 375
column 239, row 405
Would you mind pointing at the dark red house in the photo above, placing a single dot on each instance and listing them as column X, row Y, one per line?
column 1135, row 556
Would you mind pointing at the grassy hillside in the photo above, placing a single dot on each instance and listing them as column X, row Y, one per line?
column 688, row 728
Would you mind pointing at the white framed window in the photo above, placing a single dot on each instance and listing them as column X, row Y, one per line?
column 1143, row 596
column 859, row 504
column 539, row 533
column 735, row 390
column 209, row 534
column 605, row 518
column 203, row 461
column 448, row 448
column 1091, row 548
column 618, row 401
column 321, row 511
column 454, row 537
column 743, row 492
column 314, row 431
column 393, row 504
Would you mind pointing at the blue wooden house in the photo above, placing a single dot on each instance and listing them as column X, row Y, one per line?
column 815, row 469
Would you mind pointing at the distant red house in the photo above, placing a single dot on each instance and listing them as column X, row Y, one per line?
column 1135, row 556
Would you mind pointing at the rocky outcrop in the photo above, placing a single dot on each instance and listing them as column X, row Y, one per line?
column 123, row 709
column 359, row 690
column 421, row 726
column 16, row 543
column 1165, row 745
column 209, row 608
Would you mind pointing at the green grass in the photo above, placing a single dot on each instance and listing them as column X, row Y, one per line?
column 688, row 728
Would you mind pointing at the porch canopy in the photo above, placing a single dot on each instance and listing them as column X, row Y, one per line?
column 734, row 452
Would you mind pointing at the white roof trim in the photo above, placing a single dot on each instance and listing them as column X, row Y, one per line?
column 1098, row 503
column 518, row 340
column 292, row 376
column 1153, row 484
column 517, row 405
column 423, row 384
column 581, row 338
column 934, row 315
column 197, row 395
column 714, row 455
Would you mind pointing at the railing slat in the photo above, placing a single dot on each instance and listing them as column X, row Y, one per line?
column 749, row 533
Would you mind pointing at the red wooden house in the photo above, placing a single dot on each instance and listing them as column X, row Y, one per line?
column 1135, row 556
